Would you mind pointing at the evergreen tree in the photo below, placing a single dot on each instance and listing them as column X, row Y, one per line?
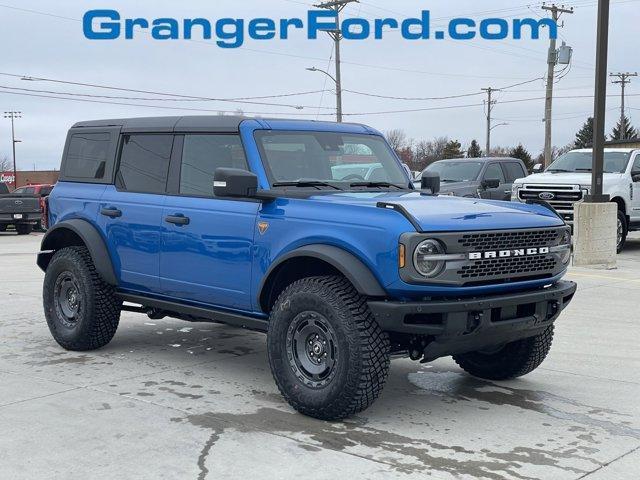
column 624, row 131
column 474, row 150
column 522, row 153
column 453, row 149
column 584, row 137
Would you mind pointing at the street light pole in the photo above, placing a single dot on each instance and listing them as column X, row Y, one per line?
column 12, row 115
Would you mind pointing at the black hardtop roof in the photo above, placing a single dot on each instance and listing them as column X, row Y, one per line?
column 193, row 123
column 217, row 123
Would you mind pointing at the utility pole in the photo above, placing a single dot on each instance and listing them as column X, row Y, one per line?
column 490, row 104
column 13, row 115
column 623, row 79
column 336, row 35
column 551, row 62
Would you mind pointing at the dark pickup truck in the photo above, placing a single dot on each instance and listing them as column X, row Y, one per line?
column 20, row 210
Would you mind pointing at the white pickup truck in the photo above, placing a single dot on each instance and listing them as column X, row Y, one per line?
column 568, row 180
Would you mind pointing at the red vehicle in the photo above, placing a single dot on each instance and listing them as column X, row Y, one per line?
column 42, row 191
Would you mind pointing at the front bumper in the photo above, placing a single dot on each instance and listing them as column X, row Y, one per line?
column 469, row 324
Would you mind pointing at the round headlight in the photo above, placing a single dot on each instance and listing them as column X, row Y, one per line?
column 423, row 258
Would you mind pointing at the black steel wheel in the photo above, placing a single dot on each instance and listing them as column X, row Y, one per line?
column 312, row 349
column 328, row 356
column 82, row 310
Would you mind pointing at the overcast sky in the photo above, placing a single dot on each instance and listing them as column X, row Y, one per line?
column 51, row 44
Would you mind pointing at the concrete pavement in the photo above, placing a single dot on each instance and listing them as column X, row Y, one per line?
column 170, row 399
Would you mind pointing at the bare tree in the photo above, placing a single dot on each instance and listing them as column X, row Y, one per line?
column 397, row 138
column 6, row 165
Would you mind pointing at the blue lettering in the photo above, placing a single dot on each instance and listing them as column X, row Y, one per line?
column 315, row 25
column 202, row 22
column 262, row 29
column 422, row 22
column 285, row 23
column 501, row 34
column 455, row 33
column 236, row 35
column 535, row 27
column 108, row 30
column 362, row 32
column 380, row 23
column 131, row 23
column 165, row 29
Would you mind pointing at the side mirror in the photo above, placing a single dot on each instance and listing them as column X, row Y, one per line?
column 430, row 181
column 490, row 183
column 233, row 182
column 538, row 168
column 635, row 176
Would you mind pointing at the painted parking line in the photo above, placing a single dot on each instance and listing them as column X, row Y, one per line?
column 605, row 277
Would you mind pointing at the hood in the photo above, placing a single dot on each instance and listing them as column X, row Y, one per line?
column 579, row 178
column 451, row 214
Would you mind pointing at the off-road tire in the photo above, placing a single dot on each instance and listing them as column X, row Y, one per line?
column 98, row 311
column 362, row 348
column 625, row 230
column 513, row 360
column 24, row 228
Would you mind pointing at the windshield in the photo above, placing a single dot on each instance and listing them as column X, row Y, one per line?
column 614, row 162
column 339, row 160
column 456, row 171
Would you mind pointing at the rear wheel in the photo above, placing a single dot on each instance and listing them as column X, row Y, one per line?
column 513, row 360
column 24, row 228
column 622, row 230
column 82, row 310
column 327, row 354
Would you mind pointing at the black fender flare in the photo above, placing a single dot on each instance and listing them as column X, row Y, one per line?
column 346, row 263
column 58, row 237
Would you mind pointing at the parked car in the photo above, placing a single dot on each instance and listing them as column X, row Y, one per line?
column 42, row 191
column 568, row 180
column 20, row 210
column 489, row 178
column 245, row 222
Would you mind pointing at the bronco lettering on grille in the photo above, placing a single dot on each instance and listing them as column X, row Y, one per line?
column 519, row 252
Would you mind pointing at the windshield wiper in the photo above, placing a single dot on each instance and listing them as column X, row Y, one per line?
column 583, row 169
column 306, row 183
column 376, row 185
column 559, row 170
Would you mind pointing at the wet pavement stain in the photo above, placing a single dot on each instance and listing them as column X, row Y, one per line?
column 402, row 453
column 457, row 387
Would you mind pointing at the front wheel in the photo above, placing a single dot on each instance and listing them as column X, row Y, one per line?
column 328, row 356
column 513, row 360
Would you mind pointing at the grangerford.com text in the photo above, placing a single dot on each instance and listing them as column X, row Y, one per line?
column 232, row 32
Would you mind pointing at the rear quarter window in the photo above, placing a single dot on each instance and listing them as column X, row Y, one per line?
column 89, row 157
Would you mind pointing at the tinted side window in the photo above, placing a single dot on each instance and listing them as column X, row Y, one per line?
column 144, row 163
column 636, row 164
column 494, row 171
column 44, row 191
column 87, row 156
column 201, row 155
column 514, row 171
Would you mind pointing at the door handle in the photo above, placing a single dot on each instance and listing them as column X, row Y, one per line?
column 177, row 219
column 507, row 192
column 111, row 212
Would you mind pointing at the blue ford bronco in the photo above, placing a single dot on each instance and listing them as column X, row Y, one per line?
column 309, row 231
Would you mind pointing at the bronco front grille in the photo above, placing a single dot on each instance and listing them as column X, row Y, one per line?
column 478, row 242
column 507, row 267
